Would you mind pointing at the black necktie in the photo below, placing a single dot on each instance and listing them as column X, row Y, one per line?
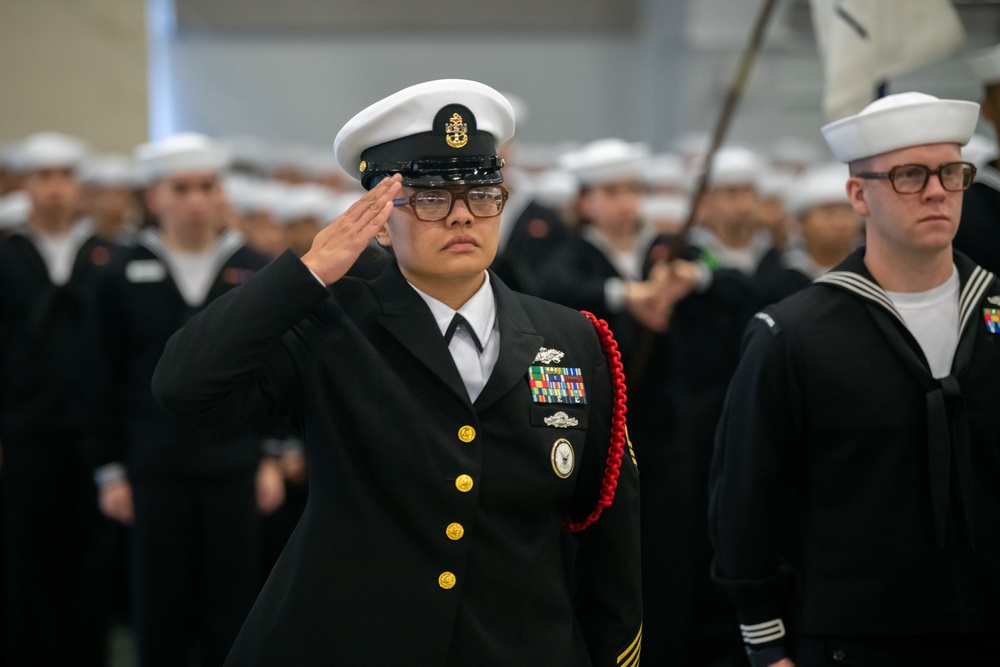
column 455, row 322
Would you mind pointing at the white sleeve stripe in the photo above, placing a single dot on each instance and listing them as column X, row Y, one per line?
column 763, row 632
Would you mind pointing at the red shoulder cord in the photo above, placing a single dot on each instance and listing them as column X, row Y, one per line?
column 618, row 432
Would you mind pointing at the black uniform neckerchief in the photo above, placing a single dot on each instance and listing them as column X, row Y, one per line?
column 949, row 446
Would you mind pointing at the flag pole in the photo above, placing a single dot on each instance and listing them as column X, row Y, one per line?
column 679, row 241
column 725, row 117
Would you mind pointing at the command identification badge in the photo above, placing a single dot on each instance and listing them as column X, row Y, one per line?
column 563, row 458
column 556, row 384
column 992, row 317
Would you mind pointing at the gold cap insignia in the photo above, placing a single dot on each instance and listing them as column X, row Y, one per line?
column 363, row 166
column 456, row 131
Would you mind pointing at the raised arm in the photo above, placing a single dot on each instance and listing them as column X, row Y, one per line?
column 226, row 366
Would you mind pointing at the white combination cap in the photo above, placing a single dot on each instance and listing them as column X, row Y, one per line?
column 985, row 65
column 443, row 132
column 607, row 161
column 900, row 121
column 733, row 166
column 181, row 154
column 48, row 150
column 820, row 185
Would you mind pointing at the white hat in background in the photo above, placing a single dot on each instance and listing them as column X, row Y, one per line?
column 667, row 170
column 670, row 207
column 794, row 152
column 554, row 188
column 110, row 170
column 733, row 166
column 821, row 184
column 519, row 106
column 248, row 152
column 180, row 154
column 253, row 195
column 48, row 150
column 443, row 132
column 304, row 201
column 985, row 65
column 900, row 121
column 15, row 207
column 320, row 162
column 981, row 150
column 773, row 182
column 607, row 161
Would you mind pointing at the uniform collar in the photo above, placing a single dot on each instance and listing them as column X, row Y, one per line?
column 989, row 175
column 853, row 276
column 480, row 311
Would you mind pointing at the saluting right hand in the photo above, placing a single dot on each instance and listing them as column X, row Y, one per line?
column 339, row 244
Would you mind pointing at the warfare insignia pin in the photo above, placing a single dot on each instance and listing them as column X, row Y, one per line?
column 992, row 318
column 563, row 458
column 456, row 131
column 555, row 384
column 548, row 356
column 561, row 420
column 995, row 300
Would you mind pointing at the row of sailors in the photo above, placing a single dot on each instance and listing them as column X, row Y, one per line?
column 164, row 490
column 602, row 229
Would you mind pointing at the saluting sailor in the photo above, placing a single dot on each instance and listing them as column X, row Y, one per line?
column 856, row 477
column 454, row 429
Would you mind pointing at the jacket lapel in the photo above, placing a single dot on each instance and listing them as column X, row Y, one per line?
column 519, row 344
column 409, row 320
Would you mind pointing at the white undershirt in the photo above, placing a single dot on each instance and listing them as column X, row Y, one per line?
column 932, row 318
column 193, row 273
column 480, row 311
column 59, row 251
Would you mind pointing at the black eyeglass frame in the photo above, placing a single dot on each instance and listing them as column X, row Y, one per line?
column 462, row 194
column 928, row 172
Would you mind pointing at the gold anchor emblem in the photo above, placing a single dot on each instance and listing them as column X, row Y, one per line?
column 456, row 131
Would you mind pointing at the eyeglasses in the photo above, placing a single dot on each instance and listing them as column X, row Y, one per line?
column 909, row 179
column 483, row 201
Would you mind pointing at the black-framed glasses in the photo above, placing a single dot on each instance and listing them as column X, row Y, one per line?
column 908, row 179
column 483, row 201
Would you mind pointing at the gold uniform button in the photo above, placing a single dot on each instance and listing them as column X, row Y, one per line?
column 466, row 434
column 446, row 580
column 455, row 531
column 463, row 483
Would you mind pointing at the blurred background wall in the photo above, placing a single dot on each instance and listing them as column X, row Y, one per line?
column 296, row 70
column 78, row 66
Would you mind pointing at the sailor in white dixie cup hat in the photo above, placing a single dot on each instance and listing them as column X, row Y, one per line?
column 979, row 234
column 457, row 432
column 49, row 259
column 855, row 468
column 152, row 470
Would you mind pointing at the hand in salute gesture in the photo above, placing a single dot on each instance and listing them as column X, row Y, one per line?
column 339, row 244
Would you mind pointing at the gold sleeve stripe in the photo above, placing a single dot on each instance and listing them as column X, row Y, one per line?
column 631, row 451
column 630, row 656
